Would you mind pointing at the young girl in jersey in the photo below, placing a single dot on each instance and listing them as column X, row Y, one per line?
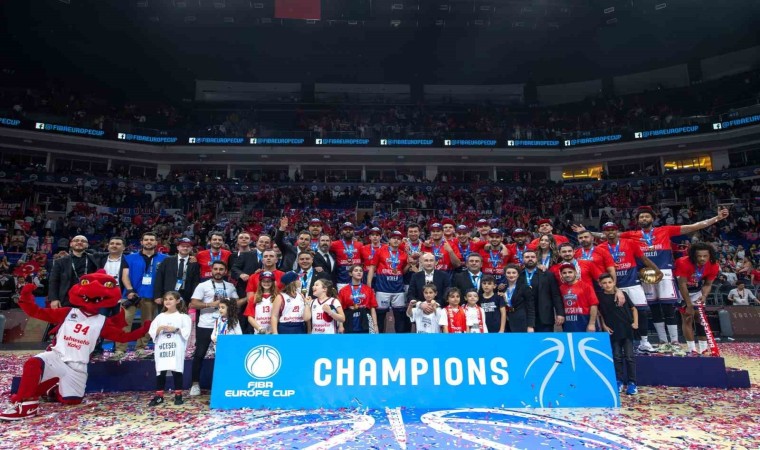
column 259, row 310
column 476, row 318
column 170, row 331
column 289, row 312
column 425, row 323
column 227, row 322
column 453, row 319
column 325, row 308
column 359, row 304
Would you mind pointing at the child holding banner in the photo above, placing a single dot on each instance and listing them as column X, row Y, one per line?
column 170, row 331
column 476, row 318
column 425, row 323
column 453, row 319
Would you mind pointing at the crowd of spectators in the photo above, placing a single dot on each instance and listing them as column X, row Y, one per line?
column 29, row 234
column 602, row 114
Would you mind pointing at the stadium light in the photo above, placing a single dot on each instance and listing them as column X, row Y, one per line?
column 660, row 6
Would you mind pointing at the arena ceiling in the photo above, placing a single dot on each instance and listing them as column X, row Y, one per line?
column 150, row 47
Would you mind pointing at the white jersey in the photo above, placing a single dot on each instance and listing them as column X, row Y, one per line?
column 292, row 309
column 263, row 313
column 426, row 323
column 77, row 336
column 170, row 347
column 475, row 319
column 321, row 322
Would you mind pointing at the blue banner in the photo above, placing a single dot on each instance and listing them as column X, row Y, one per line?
column 148, row 139
column 469, row 143
column 276, row 141
column 68, row 129
column 666, row 132
column 414, row 370
column 751, row 120
column 532, row 143
column 593, row 140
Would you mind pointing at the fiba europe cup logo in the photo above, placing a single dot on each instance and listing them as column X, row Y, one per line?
column 263, row 362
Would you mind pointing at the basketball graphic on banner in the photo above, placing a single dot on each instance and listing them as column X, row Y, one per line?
column 263, row 362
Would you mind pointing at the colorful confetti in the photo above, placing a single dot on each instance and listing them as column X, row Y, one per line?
column 659, row 417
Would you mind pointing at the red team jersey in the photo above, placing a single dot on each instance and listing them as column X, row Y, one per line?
column 578, row 299
column 389, row 270
column 625, row 256
column 465, row 250
column 442, row 258
column 206, row 259
column 368, row 253
column 588, row 271
column 364, row 297
column 346, row 254
column 494, row 262
column 602, row 260
column 656, row 244
column 695, row 276
column 515, row 253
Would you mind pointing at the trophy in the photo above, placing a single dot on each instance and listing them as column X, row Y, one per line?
column 648, row 276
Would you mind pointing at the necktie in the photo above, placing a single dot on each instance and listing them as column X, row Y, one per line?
column 329, row 261
column 181, row 270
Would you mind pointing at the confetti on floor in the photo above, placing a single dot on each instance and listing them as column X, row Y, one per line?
column 657, row 418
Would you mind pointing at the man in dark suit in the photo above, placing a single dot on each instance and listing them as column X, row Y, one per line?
column 470, row 278
column 309, row 275
column 243, row 246
column 177, row 273
column 324, row 261
column 428, row 274
column 248, row 263
column 289, row 251
column 68, row 269
column 550, row 310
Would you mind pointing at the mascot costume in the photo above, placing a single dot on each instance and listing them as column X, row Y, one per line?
column 60, row 372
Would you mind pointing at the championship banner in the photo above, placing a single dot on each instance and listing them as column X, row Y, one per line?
column 537, row 370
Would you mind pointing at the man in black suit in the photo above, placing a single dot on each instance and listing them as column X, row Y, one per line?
column 428, row 274
column 289, row 251
column 470, row 278
column 550, row 310
column 68, row 269
column 248, row 263
column 309, row 275
column 177, row 273
column 324, row 261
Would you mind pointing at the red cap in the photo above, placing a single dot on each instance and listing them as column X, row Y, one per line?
column 644, row 209
column 482, row 223
column 495, row 232
column 448, row 222
column 566, row 265
column 397, row 234
column 519, row 232
column 610, row 226
column 463, row 229
column 543, row 221
column 435, row 226
column 375, row 230
column 266, row 276
column 347, row 225
column 315, row 221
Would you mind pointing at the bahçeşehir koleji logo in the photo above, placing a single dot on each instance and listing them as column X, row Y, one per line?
column 263, row 362
column 559, row 350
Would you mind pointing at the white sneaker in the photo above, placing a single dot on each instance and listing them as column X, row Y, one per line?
column 646, row 347
column 195, row 390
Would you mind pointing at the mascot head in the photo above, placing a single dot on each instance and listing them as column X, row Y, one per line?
column 95, row 291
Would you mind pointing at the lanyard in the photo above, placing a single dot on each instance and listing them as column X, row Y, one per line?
column 465, row 252
column 74, row 269
column 414, row 248
column 520, row 253
column 510, row 293
column 394, row 258
column 306, row 278
column 348, row 249
column 149, row 266
column 699, row 273
column 529, row 276
column 223, row 292
column 495, row 258
column 356, row 294
column 588, row 256
column 475, row 280
column 372, row 249
column 616, row 252
column 184, row 270
column 314, row 246
column 545, row 261
column 648, row 237
column 437, row 251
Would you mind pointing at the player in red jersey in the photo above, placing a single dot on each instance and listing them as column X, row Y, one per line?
column 446, row 257
column 368, row 251
column 386, row 276
column 347, row 253
column 545, row 228
column 520, row 236
column 449, row 228
column 628, row 256
column 483, row 228
column 586, row 271
column 315, row 230
column 465, row 245
column 695, row 274
column 206, row 258
column 495, row 255
column 656, row 245
column 581, row 303
column 587, row 252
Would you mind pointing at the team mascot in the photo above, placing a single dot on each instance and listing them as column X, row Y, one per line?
column 60, row 372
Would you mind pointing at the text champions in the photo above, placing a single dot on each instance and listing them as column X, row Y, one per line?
column 411, row 371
